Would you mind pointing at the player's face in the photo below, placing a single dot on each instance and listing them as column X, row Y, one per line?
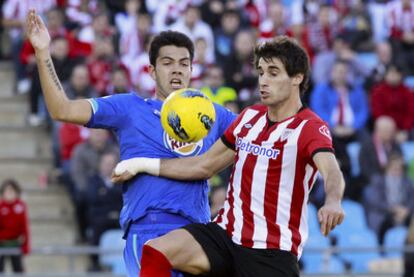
column 172, row 70
column 275, row 85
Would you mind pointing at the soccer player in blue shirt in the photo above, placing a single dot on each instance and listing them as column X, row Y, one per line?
column 152, row 205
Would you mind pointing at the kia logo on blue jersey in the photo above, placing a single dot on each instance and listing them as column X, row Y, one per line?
column 182, row 148
column 256, row 149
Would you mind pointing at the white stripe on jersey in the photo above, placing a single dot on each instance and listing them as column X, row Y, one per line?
column 303, row 227
column 246, row 118
column 287, row 180
column 238, row 213
column 259, row 188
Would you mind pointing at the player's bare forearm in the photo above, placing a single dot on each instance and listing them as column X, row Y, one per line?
column 332, row 176
column 59, row 106
column 331, row 213
column 334, row 186
column 199, row 167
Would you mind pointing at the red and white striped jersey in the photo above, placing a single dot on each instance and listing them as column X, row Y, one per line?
column 266, row 204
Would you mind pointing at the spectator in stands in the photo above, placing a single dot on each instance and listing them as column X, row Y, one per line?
column 14, row 14
column 391, row 97
column 276, row 22
column 341, row 50
column 100, row 28
column 214, row 87
column 126, row 21
column 63, row 66
column 81, row 12
column 132, row 42
column 212, row 12
column 376, row 150
column 401, row 23
column 239, row 72
column 139, row 72
column 323, row 31
column 70, row 135
column 104, row 202
column 305, row 11
column 79, row 86
column 84, row 163
column 378, row 13
column 200, row 63
column 356, row 25
column 166, row 12
column 388, row 198
column 344, row 107
column 192, row 25
column 101, row 63
column 385, row 56
column 225, row 34
column 120, row 82
column 14, row 225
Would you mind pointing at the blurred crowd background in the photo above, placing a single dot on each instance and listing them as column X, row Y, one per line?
column 362, row 60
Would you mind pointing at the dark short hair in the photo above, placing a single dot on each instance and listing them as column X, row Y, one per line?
column 169, row 38
column 290, row 53
column 10, row 183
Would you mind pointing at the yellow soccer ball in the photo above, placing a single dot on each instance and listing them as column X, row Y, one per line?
column 187, row 115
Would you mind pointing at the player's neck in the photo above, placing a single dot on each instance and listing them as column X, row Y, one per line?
column 284, row 110
column 160, row 95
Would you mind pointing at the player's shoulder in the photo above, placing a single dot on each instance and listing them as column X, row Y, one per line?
column 311, row 117
column 314, row 123
column 124, row 97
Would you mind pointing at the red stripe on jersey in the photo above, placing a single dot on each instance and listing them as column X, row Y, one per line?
column 296, row 205
column 230, row 215
column 271, row 201
column 246, row 189
column 230, row 200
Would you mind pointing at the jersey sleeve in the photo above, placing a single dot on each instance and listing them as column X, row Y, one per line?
column 108, row 112
column 224, row 118
column 229, row 138
column 316, row 137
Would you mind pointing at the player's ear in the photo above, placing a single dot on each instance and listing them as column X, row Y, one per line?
column 297, row 79
column 151, row 70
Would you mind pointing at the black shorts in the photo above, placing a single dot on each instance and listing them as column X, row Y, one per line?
column 229, row 259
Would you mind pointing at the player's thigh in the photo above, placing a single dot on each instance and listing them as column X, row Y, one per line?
column 183, row 251
column 265, row 263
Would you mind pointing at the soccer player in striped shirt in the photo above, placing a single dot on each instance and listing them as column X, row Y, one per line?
column 277, row 149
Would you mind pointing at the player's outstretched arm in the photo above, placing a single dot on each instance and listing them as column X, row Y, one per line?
column 58, row 105
column 192, row 168
column 331, row 213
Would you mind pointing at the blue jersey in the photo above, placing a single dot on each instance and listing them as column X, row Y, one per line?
column 136, row 122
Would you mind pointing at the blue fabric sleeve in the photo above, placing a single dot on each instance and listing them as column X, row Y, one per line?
column 225, row 116
column 109, row 112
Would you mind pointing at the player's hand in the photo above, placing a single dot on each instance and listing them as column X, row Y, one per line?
column 37, row 32
column 330, row 215
column 127, row 169
column 119, row 179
